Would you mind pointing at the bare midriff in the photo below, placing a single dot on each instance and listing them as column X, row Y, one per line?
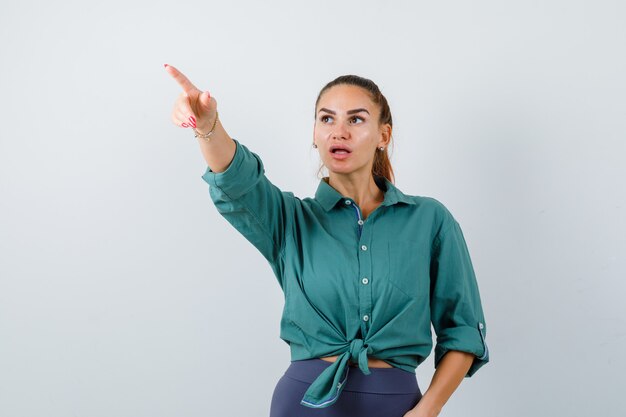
column 371, row 362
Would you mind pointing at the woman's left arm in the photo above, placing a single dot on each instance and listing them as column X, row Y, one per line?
column 446, row 379
column 456, row 315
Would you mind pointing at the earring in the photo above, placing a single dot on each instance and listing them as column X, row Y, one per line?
column 314, row 145
column 382, row 148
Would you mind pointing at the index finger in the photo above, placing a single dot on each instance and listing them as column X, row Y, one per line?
column 183, row 81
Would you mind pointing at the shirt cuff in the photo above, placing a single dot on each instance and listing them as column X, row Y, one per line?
column 240, row 176
column 465, row 339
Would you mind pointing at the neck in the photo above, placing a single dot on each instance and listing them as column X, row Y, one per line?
column 362, row 189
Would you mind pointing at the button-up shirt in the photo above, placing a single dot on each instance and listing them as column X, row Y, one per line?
column 357, row 287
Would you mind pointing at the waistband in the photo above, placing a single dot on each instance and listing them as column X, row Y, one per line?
column 380, row 381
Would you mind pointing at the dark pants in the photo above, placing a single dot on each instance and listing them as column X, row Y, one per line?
column 386, row 392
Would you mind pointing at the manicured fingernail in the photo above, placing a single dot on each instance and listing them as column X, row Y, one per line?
column 192, row 119
column 185, row 125
column 165, row 65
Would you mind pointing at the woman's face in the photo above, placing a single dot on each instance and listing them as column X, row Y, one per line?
column 347, row 118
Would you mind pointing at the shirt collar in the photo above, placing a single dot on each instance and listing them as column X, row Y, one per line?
column 328, row 197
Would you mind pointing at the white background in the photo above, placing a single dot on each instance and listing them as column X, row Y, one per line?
column 124, row 293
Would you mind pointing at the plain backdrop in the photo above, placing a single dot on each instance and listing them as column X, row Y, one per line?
column 124, row 293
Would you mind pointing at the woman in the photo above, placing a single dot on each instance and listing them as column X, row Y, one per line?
column 365, row 268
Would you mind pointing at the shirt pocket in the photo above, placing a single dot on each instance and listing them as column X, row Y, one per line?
column 409, row 268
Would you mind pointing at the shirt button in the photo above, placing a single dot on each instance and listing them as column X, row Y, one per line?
column 480, row 325
column 360, row 222
column 365, row 281
column 364, row 247
column 366, row 317
column 347, row 201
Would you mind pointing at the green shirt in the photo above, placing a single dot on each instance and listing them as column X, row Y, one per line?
column 357, row 288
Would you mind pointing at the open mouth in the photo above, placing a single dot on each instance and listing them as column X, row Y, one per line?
column 339, row 150
column 340, row 153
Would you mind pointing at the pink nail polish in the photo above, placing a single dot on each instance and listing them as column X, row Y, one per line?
column 185, row 125
column 165, row 65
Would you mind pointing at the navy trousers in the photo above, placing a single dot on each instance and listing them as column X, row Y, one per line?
column 386, row 392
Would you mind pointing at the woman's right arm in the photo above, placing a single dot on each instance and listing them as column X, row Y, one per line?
column 195, row 108
column 242, row 193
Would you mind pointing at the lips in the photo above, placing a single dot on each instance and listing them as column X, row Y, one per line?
column 339, row 152
column 339, row 148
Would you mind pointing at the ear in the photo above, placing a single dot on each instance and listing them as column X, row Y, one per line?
column 385, row 135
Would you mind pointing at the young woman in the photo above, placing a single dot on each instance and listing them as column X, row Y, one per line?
column 365, row 268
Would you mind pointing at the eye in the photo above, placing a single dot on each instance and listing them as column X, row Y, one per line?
column 358, row 117
column 324, row 118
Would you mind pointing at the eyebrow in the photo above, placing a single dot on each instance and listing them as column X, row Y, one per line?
column 348, row 112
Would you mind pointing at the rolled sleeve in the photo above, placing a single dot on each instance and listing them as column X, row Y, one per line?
column 249, row 201
column 243, row 173
column 456, row 309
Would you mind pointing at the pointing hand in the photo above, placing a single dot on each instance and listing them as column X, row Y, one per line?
column 193, row 107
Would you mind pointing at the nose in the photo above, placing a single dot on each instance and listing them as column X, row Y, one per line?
column 339, row 132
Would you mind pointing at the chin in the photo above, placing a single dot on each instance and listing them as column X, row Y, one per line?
column 340, row 171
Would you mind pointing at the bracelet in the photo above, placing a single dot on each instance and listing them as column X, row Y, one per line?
column 206, row 135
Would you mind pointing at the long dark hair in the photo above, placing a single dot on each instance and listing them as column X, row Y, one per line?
column 382, row 164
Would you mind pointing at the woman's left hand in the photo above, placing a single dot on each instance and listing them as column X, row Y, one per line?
column 421, row 410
